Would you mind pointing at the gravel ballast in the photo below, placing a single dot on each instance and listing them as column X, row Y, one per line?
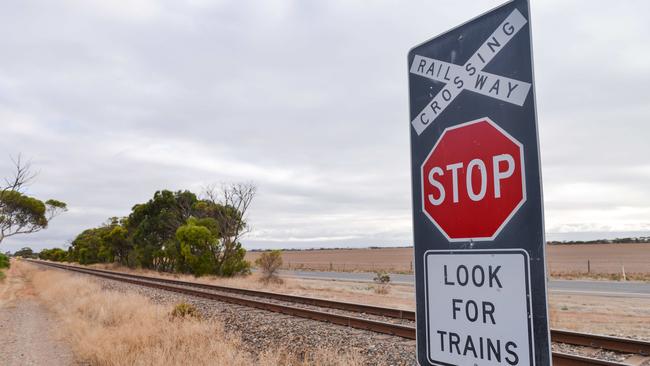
column 261, row 330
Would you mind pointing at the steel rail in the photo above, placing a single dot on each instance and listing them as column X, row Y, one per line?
column 347, row 306
column 566, row 359
column 618, row 344
column 353, row 322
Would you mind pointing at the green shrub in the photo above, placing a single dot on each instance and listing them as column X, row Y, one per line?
column 54, row 254
column 4, row 261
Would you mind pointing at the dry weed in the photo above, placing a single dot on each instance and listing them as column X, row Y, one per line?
column 113, row 328
column 401, row 296
column 382, row 288
column 317, row 358
column 576, row 275
column 185, row 310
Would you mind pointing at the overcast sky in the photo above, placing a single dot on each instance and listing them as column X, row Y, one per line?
column 114, row 100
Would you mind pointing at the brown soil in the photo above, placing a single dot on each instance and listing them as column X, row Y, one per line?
column 625, row 317
column 604, row 259
column 601, row 258
column 364, row 259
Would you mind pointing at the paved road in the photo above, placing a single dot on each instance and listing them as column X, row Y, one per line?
column 604, row 288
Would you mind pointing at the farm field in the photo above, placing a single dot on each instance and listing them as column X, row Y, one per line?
column 599, row 259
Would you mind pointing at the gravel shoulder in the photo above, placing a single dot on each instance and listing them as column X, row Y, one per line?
column 26, row 327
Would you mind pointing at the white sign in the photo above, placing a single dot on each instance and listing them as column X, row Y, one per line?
column 478, row 306
column 471, row 76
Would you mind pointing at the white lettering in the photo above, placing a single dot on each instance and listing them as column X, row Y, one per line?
column 499, row 174
column 438, row 185
column 454, row 179
column 470, row 189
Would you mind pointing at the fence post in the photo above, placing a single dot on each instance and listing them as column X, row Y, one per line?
column 588, row 266
column 411, row 266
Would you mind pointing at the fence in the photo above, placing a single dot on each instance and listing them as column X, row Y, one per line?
column 349, row 267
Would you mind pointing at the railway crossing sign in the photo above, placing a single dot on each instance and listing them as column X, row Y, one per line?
column 472, row 181
column 477, row 195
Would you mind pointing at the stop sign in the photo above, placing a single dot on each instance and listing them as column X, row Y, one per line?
column 473, row 181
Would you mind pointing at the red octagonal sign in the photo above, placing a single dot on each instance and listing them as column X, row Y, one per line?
column 473, row 181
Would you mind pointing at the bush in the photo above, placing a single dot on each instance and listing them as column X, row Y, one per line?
column 382, row 279
column 4, row 261
column 185, row 310
column 25, row 253
column 54, row 255
column 197, row 244
column 269, row 263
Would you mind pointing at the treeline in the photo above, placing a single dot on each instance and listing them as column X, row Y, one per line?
column 641, row 239
column 172, row 232
column 333, row 248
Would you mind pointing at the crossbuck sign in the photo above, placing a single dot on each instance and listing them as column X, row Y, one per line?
column 480, row 273
column 471, row 76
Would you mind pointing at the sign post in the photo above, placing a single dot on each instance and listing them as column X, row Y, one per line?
column 477, row 195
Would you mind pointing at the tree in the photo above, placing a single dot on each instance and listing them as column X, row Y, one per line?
column 228, row 207
column 104, row 244
column 173, row 232
column 25, row 252
column 4, row 261
column 86, row 246
column 54, row 255
column 269, row 263
column 118, row 240
column 153, row 226
column 20, row 213
column 197, row 245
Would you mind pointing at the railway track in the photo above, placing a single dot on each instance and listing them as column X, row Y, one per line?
column 259, row 300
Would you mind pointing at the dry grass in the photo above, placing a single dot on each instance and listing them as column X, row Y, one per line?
column 113, row 328
column 316, row 358
column 596, row 314
column 400, row 296
column 643, row 277
column 382, row 288
column 185, row 310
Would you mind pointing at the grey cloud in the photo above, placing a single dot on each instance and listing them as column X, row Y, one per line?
column 113, row 101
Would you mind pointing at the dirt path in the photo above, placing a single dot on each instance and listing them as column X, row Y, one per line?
column 26, row 327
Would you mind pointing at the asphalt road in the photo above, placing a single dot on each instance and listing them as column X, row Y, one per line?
column 602, row 288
